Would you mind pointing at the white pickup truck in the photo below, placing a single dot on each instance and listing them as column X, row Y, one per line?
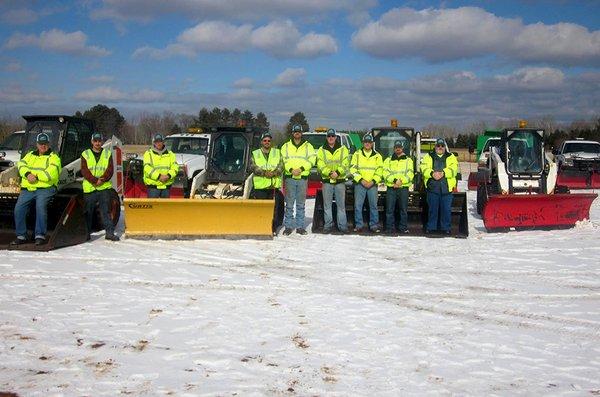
column 572, row 152
column 191, row 151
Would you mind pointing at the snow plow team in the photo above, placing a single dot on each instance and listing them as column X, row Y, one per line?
column 272, row 168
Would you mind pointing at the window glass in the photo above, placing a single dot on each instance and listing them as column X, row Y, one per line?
column 384, row 141
column 525, row 153
column 12, row 142
column 229, row 153
column 71, row 145
column 52, row 128
column 575, row 147
column 187, row 145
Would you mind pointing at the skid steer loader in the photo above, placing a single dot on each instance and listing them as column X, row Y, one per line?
column 519, row 189
column 218, row 203
column 384, row 138
column 69, row 137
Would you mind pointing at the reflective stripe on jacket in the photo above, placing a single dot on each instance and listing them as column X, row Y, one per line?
column 97, row 169
column 156, row 164
column 302, row 156
column 398, row 168
column 46, row 167
column 449, row 166
column 367, row 166
column 338, row 161
column 266, row 164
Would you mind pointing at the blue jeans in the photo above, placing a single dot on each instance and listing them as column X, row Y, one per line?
column 41, row 197
column 339, row 191
column 393, row 196
column 360, row 192
column 154, row 192
column 439, row 204
column 102, row 198
column 295, row 192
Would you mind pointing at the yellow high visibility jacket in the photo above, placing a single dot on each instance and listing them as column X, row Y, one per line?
column 46, row 167
column 156, row 164
column 337, row 160
column 261, row 164
column 449, row 164
column 367, row 166
column 97, row 169
column 302, row 156
column 398, row 168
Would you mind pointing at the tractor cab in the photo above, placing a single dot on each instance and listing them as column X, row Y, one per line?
column 523, row 151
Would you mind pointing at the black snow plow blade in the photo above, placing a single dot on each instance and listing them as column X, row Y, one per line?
column 66, row 223
column 417, row 213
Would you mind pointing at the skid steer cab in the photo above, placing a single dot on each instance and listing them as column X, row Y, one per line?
column 218, row 203
column 69, row 137
column 384, row 138
column 518, row 188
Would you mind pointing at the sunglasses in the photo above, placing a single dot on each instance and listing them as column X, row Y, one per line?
column 96, row 140
column 266, row 140
column 439, row 145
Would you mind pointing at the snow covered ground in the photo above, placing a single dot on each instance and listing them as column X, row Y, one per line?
column 495, row 314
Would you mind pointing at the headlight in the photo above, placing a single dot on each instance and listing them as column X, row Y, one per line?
column 568, row 161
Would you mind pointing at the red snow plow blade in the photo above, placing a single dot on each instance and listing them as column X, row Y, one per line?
column 474, row 179
column 579, row 180
column 312, row 188
column 544, row 211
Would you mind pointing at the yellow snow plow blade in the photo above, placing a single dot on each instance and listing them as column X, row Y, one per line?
column 196, row 218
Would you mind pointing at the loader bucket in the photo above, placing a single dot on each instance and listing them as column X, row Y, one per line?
column 417, row 213
column 536, row 211
column 198, row 218
column 66, row 222
column 579, row 180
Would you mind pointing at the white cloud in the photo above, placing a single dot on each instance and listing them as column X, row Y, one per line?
column 439, row 35
column 279, row 39
column 245, row 82
column 291, row 77
column 56, row 40
column 15, row 94
column 202, row 10
column 111, row 94
column 19, row 16
column 531, row 78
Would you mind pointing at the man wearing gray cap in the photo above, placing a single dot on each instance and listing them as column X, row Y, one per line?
column 366, row 167
column 160, row 168
column 97, row 171
column 39, row 171
column 398, row 173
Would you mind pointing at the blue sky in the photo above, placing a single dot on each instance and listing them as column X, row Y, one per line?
column 342, row 62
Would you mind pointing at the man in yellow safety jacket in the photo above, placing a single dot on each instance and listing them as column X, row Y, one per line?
column 298, row 158
column 267, row 166
column 97, row 171
column 439, row 169
column 160, row 168
column 398, row 174
column 333, row 164
column 367, row 169
column 39, row 171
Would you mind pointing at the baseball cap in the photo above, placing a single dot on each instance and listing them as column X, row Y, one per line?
column 42, row 138
column 266, row 134
column 96, row 136
column 158, row 138
column 440, row 141
column 367, row 138
column 331, row 132
column 297, row 128
column 398, row 144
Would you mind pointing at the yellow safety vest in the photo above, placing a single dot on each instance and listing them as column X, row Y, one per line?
column 338, row 161
column 267, row 164
column 368, row 167
column 398, row 169
column 97, row 169
column 156, row 164
column 302, row 157
column 450, row 168
column 45, row 167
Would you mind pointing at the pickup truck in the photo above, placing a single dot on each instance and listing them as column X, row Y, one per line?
column 578, row 163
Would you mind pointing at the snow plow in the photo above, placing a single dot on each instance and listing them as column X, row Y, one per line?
column 218, row 203
column 578, row 164
column 384, row 138
column 69, row 137
column 519, row 189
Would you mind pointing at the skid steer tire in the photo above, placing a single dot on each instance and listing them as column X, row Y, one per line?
column 481, row 197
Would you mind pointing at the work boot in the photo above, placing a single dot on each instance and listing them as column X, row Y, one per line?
column 40, row 241
column 18, row 241
column 375, row 229
column 301, row 231
column 112, row 237
column 287, row 231
column 359, row 230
